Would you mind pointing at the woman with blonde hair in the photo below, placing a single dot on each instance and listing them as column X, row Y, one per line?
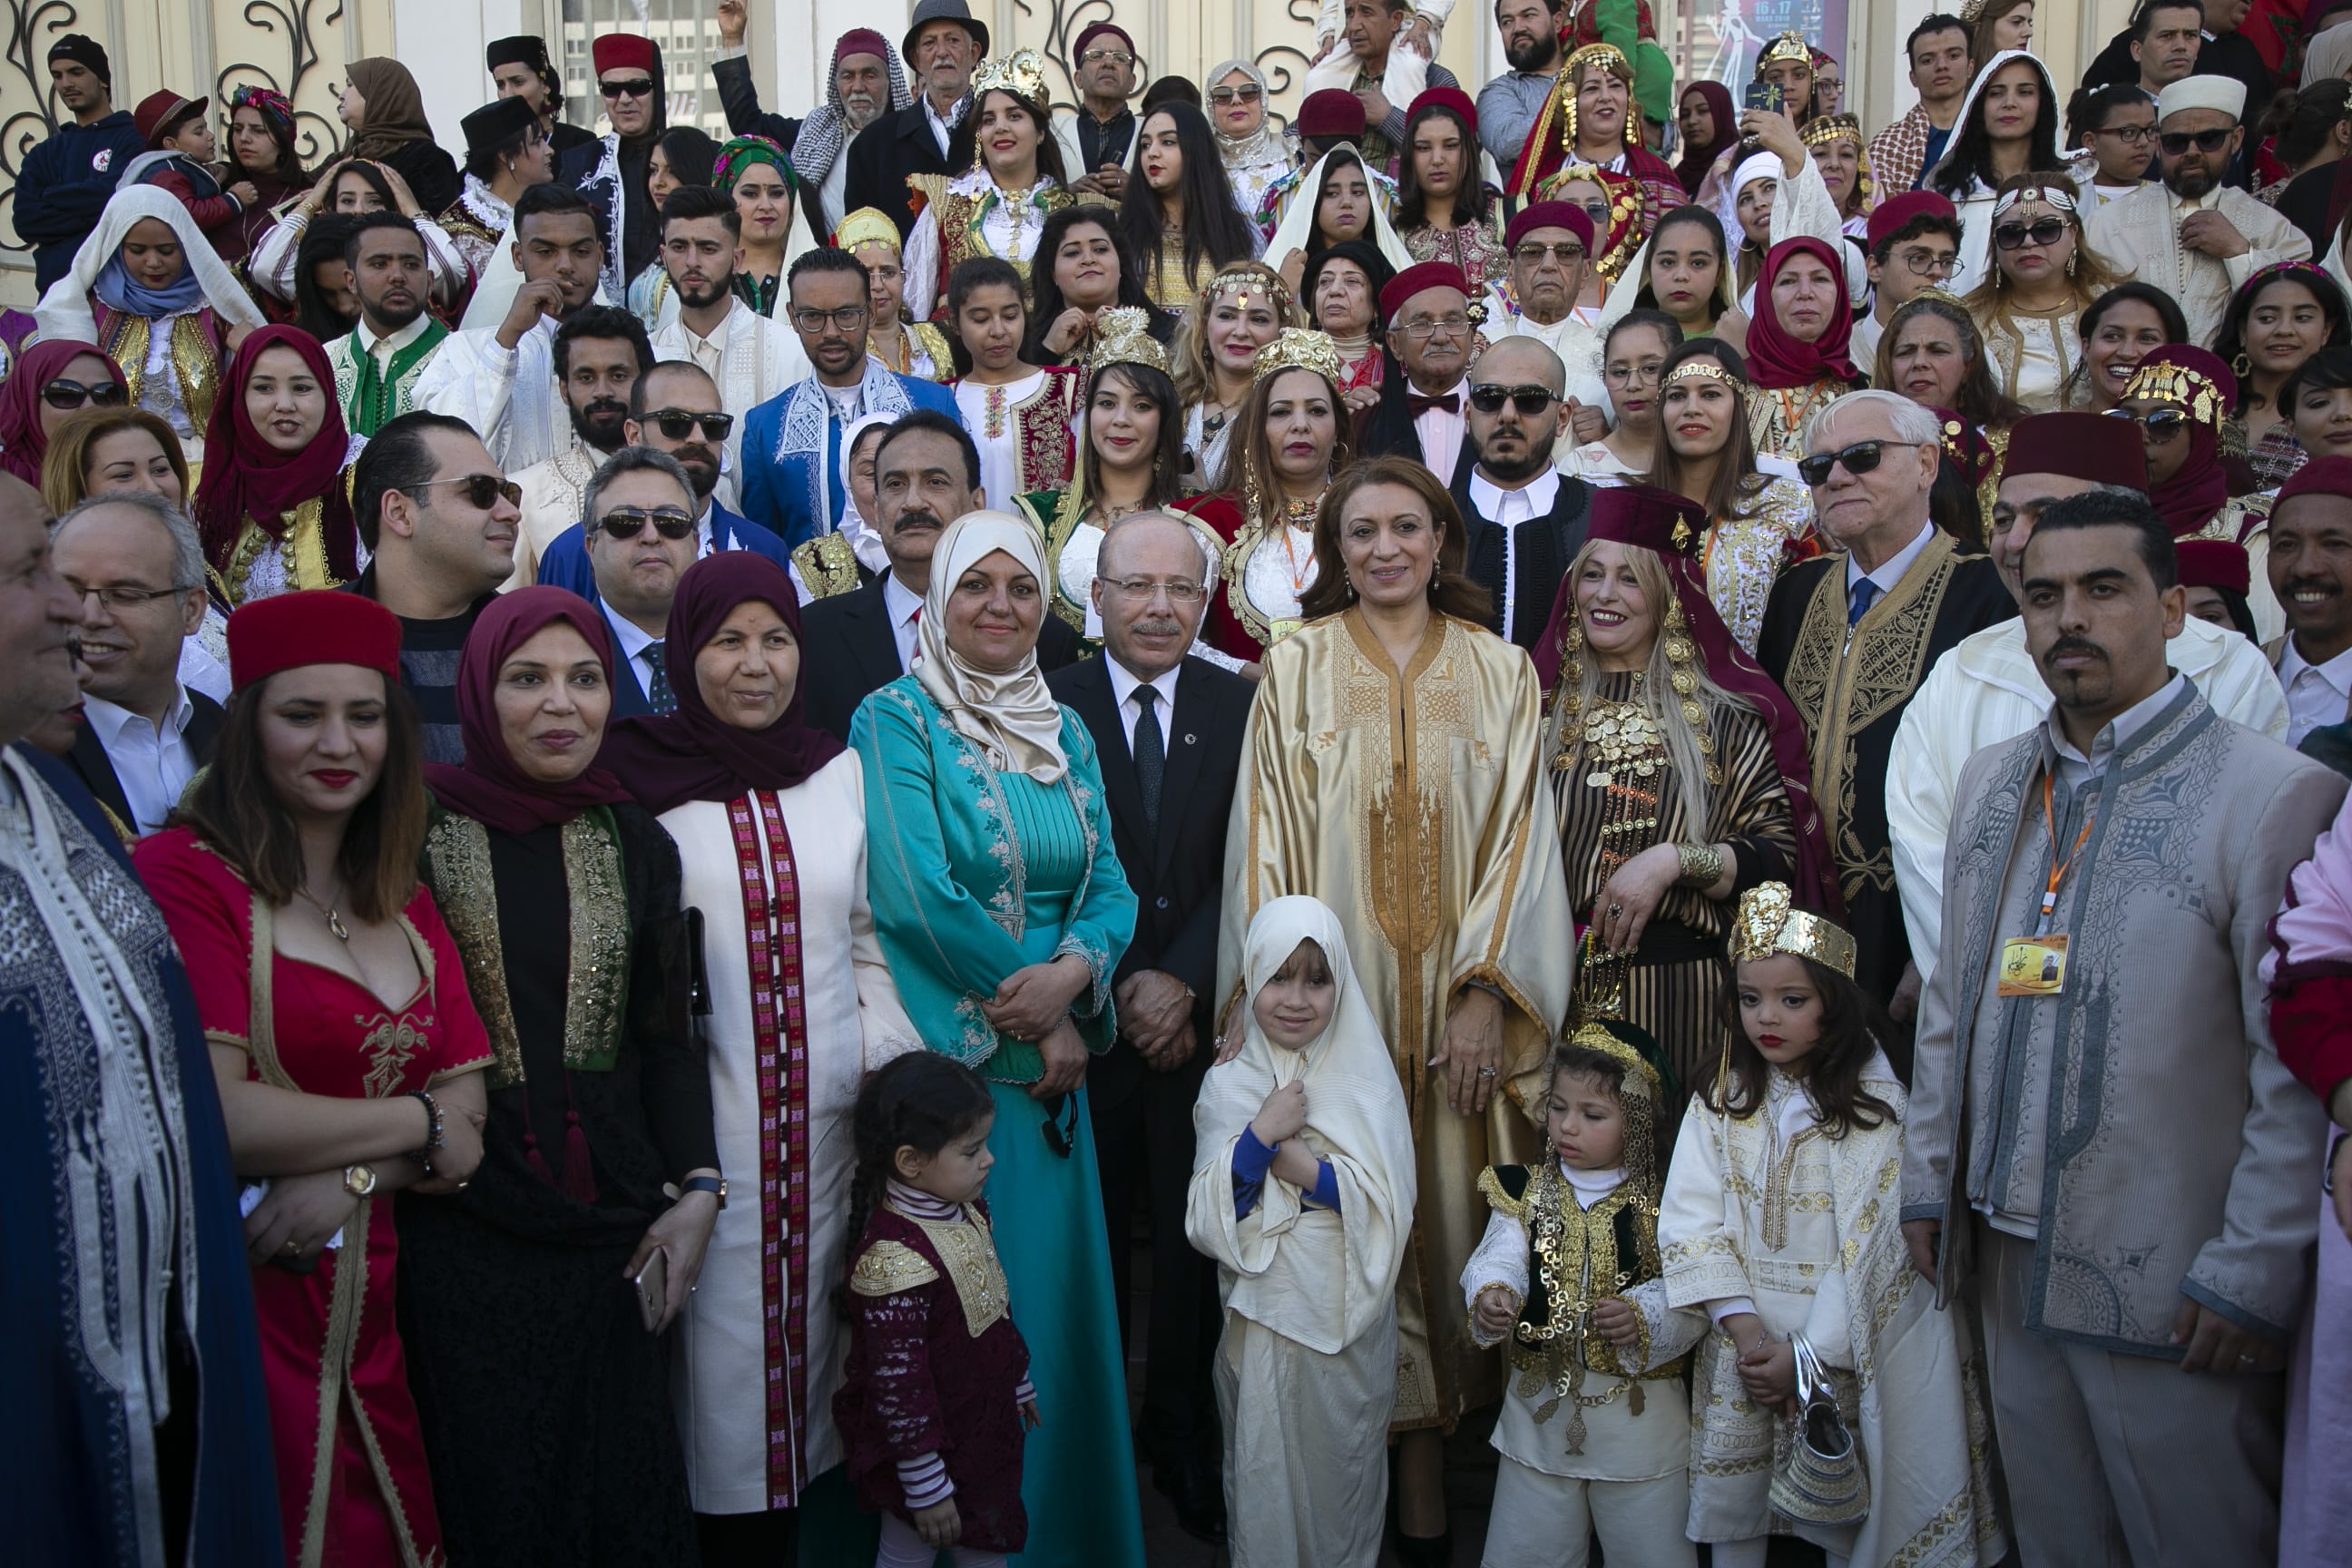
column 1240, row 311
column 99, row 450
column 2030, row 303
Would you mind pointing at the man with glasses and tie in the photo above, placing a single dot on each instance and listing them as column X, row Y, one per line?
column 1430, row 334
column 1168, row 729
column 1099, row 137
column 795, row 478
column 1849, row 634
column 611, row 170
column 1522, row 518
column 1913, row 243
column 2192, row 235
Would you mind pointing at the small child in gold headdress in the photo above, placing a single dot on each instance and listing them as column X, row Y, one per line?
column 1594, row 1434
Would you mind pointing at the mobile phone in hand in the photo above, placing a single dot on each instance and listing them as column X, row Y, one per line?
column 1766, row 97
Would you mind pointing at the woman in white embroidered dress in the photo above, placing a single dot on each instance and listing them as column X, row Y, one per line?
column 998, row 206
column 1237, row 314
column 2030, row 303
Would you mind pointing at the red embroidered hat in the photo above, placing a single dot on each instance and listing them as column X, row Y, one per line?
column 1649, row 518
column 1451, row 98
column 1550, row 214
column 2320, row 475
column 1887, row 218
column 1334, row 111
column 623, row 51
column 316, row 625
column 1419, row 275
column 2081, row 446
column 2212, row 563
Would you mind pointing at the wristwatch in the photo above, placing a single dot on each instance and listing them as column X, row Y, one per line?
column 715, row 1186
column 359, row 1180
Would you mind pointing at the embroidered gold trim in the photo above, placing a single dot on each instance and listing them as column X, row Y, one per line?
column 888, row 1268
column 968, row 1248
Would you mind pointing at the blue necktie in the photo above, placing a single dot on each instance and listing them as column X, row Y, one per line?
column 1858, row 600
column 1151, row 753
column 658, row 695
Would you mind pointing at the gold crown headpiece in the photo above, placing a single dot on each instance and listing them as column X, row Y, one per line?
column 2167, row 382
column 1829, row 127
column 1123, row 337
column 1245, row 282
column 867, row 226
column 1787, row 46
column 1971, row 11
column 1608, row 57
column 1020, row 73
column 1595, row 1035
column 1298, row 348
column 1769, row 921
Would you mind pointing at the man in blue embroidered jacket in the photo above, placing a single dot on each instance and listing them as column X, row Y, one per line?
column 792, row 478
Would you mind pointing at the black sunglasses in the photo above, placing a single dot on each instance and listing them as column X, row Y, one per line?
column 636, row 86
column 1060, row 1108
column 2176, row 142
column 482, row 490
column 2045, row 231
column 1488, row 397
column 1858, row 458
column 63, row 393
column 2160, row 423
column 678, row 423
column 628, row 521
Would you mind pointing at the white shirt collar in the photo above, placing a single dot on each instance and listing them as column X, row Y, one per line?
column 632, row 638
column 397, row 340
column 1123, row 683
column 2336, row 671
column 1890, row 572
column 107, row 720
column 899, row 600
column 1533, row 499
column 1592, row 1186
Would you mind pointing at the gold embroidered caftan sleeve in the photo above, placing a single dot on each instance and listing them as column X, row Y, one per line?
column 1410, row 803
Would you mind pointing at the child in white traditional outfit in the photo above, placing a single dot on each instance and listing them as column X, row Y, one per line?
column 1303, row 1189
column 1780, row 1219
column 1595, row 1429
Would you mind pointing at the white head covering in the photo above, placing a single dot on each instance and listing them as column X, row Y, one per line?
column 1264, row 145
column 1297, row 225
column 1320, row 1278
column 1967, row 105
column 2226, row 93
column 863, row 533
column 1754, row 167
column 1013, row 715
column 2328, row 54
column 65, row 311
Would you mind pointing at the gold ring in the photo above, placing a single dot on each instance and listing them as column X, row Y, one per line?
column 291, row 1249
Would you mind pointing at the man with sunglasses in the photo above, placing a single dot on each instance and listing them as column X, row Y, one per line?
column 442, row 522
column 1913, row 244
column 673, row 410
column 1848, row 635
column 943, row 46
column 638, row 539
column 1550, row 247
column 599, row 354
column 1098, row 140
column 611, row 170
column 1522, row 518
column 2195, row 237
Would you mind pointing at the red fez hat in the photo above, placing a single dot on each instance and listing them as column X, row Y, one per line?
column 1419, row 275
column 1888, row 218
column 2212, row 563
column 162, row 112
column 1550, row 214
column 1451, row 98
column 2081, row 446
column 619, row 51
column 2320, row 475
column 1334, row 111
column 1964, row 444
column 316, row 625
column 1089, row 35
column 1649, row 518
column 861, row 41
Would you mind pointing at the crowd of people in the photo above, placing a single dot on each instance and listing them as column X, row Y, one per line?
column 1754, row 892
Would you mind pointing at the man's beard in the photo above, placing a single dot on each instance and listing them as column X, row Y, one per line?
column 702, row 466
column 860, row 111
column 715, row 292
column 1520, row 469
column 599, row 424
column 1534, row 55
column 392, row 318
column 2190, row 185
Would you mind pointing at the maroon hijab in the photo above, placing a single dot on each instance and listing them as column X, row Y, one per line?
column 245, row 477
column 488, row 786
column 1697, row 160
column 23, row 444
column 2202, row 387
column 1777, row 361
column 694, row 754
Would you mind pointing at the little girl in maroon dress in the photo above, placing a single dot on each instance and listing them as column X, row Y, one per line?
column 935, row 1398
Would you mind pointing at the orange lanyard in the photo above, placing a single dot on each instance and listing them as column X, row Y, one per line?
column 2058, row 869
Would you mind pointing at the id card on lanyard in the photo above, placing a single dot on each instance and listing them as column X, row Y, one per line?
column 2036, row 965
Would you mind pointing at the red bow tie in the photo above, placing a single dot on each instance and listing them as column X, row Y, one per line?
column 1415, row 405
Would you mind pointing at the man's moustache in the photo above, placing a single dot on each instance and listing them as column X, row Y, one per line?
column 2064, row 646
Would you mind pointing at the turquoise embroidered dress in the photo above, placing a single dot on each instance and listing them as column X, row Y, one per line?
column 973, row 874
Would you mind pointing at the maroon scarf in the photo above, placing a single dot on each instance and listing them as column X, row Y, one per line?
column 23, row 444
column 246, row 477
column 1779, row 362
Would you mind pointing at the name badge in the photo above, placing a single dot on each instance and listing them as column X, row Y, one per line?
column 2032, row 966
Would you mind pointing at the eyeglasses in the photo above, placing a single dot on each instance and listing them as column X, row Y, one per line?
column 2176, row 142
column 1858, row 459
column 63, row 393
column 2161, row 424
column 1925, row 263
column 1421, row 332
column 1598, row 213
column 636, row 87
column 482, row 490
column 2044, row 231
column 118, row 598
column 1247, row 94
column 628, row 521
column 1535, row 254
column 1488, row 397
column 677, row 424
column 848, row 319
column 1180, row 591
column 2136, row 135
column 1629, row 374
column 1115, row 57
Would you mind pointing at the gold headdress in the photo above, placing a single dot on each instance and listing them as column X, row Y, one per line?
column 867, row 226
column 1121, row 337
column 1829, row 127
column 2052, row 196
column 1698, row 369
column 1298, row 348
column 1972, row 12
column 1769, row 921
column 1609, row 58
column 1020, row 73
column 1254, row 278
column 2167, row 383
column 1787, row 46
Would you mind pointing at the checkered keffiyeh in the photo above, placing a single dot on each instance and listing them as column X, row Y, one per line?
column 1896, row 153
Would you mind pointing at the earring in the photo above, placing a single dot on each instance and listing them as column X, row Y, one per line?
column 2071, row 258
column 2242, row 366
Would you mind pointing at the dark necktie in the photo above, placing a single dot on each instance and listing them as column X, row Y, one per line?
column 1858, row 600
column 1151, row 752
column 657, row 690
column 1415, row 405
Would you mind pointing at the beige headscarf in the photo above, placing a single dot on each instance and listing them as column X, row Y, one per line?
column 1319, row 1279
column 394, row 112
column 2328, row 56
column 1013, row 715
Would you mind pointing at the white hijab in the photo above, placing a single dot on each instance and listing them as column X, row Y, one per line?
column 1297, row 225
column 1013, row 715
column 864, row 541
column 2329, row 54
column 1754, row 167
column 1976, row 88
column 65, row 313
column 1324, row 1282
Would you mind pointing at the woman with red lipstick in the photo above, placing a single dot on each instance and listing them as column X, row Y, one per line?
column 757, row 174
column 1083, row 269
column 1797, row 345
column 1686, row 272
column 1186, row 223
column 347, row 1048
column 534, row 1374
column 2281, row 316
column 1019, row 414
column 2044, row 276
column 2008, row 126
column 1445, row 212
column 1254, row 151
column 1217, row 343
column 998, row 206
column 2127, row 322
column 271, row 505
column 1632, row 357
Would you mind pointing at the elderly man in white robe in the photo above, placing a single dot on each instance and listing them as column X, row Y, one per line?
column 1987, row 689
column 1551, row 246
column 2189, row 235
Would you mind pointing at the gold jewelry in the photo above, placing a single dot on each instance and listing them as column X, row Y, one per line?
column 1020, row 73
column 1769, row 921
column 1247, row 279
column 867, row 226
column 1692, row 369
column 1702, row 864
column 359, row 1180
column 1787, row 46
column 2167, row 383
column 1831, row 128
column 1298, row 348
column 334, row 921
column 1123, row 337
column 1626, row 742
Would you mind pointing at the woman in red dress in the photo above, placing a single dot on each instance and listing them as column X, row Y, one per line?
column 348, row 1051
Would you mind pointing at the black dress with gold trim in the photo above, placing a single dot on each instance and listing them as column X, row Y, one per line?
column 545, row 1405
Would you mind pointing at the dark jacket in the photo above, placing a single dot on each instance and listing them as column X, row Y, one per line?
column 1544, row 554
column 851, row 654
column 90, row 763
column 894, row 147
column 64, row 185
